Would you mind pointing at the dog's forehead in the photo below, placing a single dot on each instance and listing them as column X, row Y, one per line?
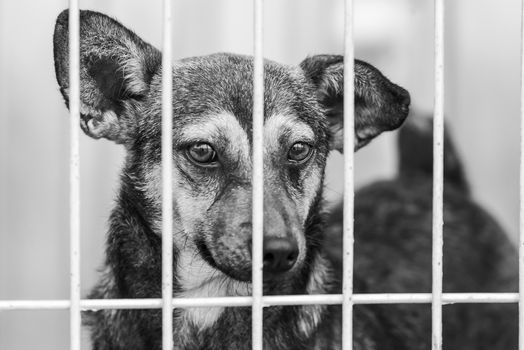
column 225, row 127
column 208, row 88
column 224, row 82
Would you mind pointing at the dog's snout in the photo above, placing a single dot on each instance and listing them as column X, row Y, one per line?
column 280, row 254
column 398, row 108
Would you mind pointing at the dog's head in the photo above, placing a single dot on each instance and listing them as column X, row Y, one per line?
column 212, row 137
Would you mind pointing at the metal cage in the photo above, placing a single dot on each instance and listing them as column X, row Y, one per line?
column 258, row 301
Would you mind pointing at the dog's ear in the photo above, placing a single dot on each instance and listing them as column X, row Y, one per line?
column 380, row 105
column 116, row 68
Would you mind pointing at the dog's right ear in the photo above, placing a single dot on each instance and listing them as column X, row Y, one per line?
column 116, row 68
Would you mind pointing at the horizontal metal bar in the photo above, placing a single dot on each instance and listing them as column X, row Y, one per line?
column 34, row 304
column 472, row 298
column 273, row 300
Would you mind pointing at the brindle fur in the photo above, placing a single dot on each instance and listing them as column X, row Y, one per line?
column 212, row 96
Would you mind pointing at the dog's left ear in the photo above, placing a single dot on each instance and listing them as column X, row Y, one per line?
column 116, row 70
column 380, row 105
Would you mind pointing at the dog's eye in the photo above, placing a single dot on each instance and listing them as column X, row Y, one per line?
column 299, row 152
column 202, row 154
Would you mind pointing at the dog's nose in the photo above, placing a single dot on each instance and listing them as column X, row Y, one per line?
column 280, row 254
column 406, row 100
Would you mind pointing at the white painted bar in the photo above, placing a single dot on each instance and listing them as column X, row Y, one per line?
column 391, row 298
column 12, row 305
column 521, row 231
column 74, row 174
column 349, row 186
column 273, row 300
column 167, row 175
column 258, row 178
column 438, row 178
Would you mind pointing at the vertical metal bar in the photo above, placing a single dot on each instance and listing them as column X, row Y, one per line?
column 4, row 142
column 521, row 232
column 74, row 173
column 258, row 177
column 349, row 186
column 438, row 177
column 167, row 175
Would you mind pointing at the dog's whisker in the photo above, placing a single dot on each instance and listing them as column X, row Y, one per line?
column 331, row 189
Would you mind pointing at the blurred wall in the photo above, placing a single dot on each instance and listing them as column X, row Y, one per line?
column 482, row 105
column 483, row 100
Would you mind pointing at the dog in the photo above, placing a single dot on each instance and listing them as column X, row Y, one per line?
column 120, row 95
column 393, row 242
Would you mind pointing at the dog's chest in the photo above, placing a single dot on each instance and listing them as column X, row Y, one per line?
column 283, row 330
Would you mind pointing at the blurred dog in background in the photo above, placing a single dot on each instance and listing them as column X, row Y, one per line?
column 393, row 250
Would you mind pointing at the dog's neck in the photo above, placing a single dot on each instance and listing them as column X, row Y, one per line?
column 134, row 265
column 197, row 325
